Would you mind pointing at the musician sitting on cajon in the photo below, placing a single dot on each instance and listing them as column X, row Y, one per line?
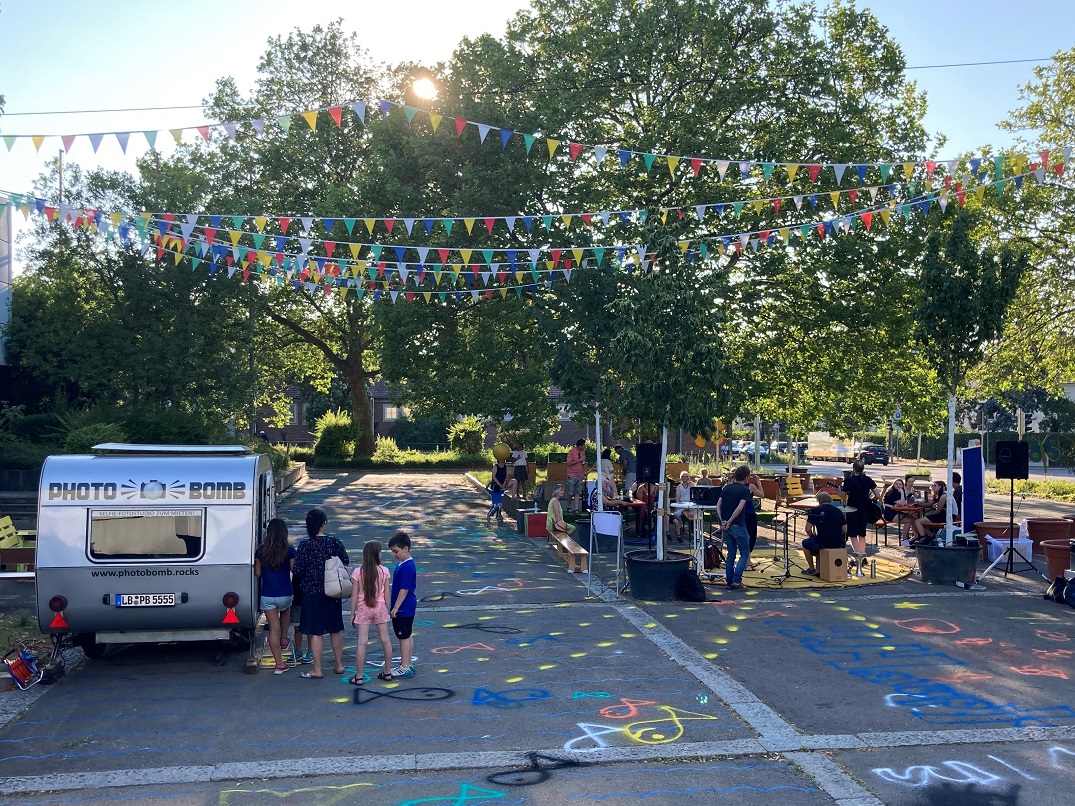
column 554, row 521
column 825, row 529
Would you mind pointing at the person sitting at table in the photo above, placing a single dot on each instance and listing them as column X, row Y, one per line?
column 897, row 496
column 825, row 529
column 646, row 492
column 683, row 496
column 704, row 479
column 933, row 515
column 606, row 487
column 554, row 521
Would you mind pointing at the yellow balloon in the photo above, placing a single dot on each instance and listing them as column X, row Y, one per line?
column 501, row 451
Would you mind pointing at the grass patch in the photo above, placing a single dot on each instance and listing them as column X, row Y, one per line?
column 1053, row 490
column 20, row 629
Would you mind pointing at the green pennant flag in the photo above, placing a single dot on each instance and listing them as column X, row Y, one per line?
column 998, row 168
column 410, row 112
column 649, row 159
column 151, row 138
column 906, row 210
column 375, row 251
column 599, row 254
column 1000, row 185
column 886, row 169
column 912, row 187
column 237, row 221
column 371, row 270
column 350, row 224
column 767, row 170
column 534, row 274
column 738, row 206
column 529, row 139
column 804, row 231
column 9, row 141
column 259, row 239
column 488, row 255
column 642, row 216
column 360, row 292
column 194, row 261
column 285, row 122
column 547, row 221
column 448, row 224
column 703, row 251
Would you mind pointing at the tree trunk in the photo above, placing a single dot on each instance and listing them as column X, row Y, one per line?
column 361, row 408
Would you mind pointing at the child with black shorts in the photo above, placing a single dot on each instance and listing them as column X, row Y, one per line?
column 404, row 602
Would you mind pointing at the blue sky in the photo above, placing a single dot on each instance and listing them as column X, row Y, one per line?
column 113, row 54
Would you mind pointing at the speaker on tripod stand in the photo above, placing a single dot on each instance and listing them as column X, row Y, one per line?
column 1012, row 460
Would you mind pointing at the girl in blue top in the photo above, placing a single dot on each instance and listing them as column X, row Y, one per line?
column 272, row 564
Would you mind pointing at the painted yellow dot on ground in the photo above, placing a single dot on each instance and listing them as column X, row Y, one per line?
column 874, row 626
column 633, row 634
column 485, row 618
column 858, row 618
column 442, row 671
column 732, row 628
column 845, row 609
column 546, row 666
column 585, row 623
column 446, row 626
column 556, row 633
column 579, row 654
column 815, row 595
column 565, row 604
column 720, row 640
column 889, row 648
column 607, row 643
column 674, row 615
column 910, row 605
column 752, row 593
column 483, row 659
column 740, row 618
column 342, row 699
column 613, row 615
column 514, row 679
column 710, row 655
column 878, row 635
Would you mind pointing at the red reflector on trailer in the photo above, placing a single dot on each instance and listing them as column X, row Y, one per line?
column 58, row 623
column 231, row 618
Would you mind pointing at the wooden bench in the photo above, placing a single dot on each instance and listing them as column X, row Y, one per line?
column 12, row 558
column 575, row 556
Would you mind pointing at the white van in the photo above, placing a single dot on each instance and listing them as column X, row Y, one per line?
column 150, row 543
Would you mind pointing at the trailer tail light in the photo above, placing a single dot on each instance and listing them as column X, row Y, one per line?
column 57, row 604
column 230, row 600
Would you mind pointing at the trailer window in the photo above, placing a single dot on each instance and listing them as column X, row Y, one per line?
column 147, row 534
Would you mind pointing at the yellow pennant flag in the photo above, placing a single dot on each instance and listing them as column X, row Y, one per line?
column 567, row 221
column 115, row 218
column 235, row 235
column 683, row 247
column 426, row 295
column 503, row 293
column 518, row 276
column 355, row 249
column 178, row 257
column 38, row 140
column 552, row 144
column 370, row 224
column 784, row 233
column 908, row 170
column 466, row 253
column 664, row 216
column 672, row 163
column 885, row 215
column 758, row 205
column 835, row 196
column 549, row 264
column 436, row 276
column 979, row 192
column 1019, row 163
column 469, row 223
column 359, row 268
column 434, row 120
column 264, row 258
column 577, row 253
column 311, row 120
column 792, row 170
column 177, row 134
column 259, row 222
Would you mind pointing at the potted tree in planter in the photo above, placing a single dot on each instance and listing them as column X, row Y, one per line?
column 646, row 348
column 966, row 295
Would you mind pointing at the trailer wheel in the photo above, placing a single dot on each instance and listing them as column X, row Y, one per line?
column 90, row 647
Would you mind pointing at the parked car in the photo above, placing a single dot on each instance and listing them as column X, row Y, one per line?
column 870, row 453
column 747, row 451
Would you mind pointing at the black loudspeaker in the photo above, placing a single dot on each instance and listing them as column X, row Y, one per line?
column 1012, row 460
column 648, row 456
column 705, row 496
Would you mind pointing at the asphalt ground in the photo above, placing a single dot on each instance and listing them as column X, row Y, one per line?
column 896, row 693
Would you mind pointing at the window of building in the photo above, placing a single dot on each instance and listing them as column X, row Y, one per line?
column 393, row 413
column 296, row 412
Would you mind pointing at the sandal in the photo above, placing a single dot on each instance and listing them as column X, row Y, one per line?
column 357, row 679
column 308, row 676
column 383, row 676
column 338, row 671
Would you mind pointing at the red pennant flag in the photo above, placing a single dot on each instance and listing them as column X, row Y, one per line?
column 852, row 194
column 488, row 293
column 380, row 268
column 764, row 235
column 246, row 274
column 1059, row 168
column 160, row 253
column 336, row 113
column 210, row 235
column 961, row 195
column 280, row 258
column 204, row 132
column 867, row 219
column 815, row 171
column 229, row 260
column 575, row 149
column 821, row 231
column 330, row 247
column 947, row 181
column 169, row 217
column 474, row 271
column 389, row 223
column 567, row 264
column 421, row 276
column 284, row 224
column 443, row 254
column 696, row 166
column 776, row 205
column 460, row 124
column 1044, row 157
column 489, row 224
column 410, row 296
column 586, row 218
column 930, row 168
column 556, row 256
column 78, row 222
column 682, row 215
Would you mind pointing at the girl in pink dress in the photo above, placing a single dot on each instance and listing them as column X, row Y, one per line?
column 369, row 605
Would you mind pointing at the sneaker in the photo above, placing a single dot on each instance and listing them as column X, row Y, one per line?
column 307, row 658
column 285, row 643
column 399, row 671
column 283, row 667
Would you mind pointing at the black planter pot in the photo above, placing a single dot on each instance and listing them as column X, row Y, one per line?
column 947, row 565
column 655, row 580
column 582, row 532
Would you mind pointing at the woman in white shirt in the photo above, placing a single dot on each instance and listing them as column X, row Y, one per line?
column 683, row 496
column 519, row 474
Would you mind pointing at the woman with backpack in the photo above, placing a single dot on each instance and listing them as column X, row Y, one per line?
column 320, row 613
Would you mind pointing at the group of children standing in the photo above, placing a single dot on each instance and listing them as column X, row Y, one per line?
column 373, row 601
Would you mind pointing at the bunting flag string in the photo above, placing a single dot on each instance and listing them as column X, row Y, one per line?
column 171, row 238
column 857, row 170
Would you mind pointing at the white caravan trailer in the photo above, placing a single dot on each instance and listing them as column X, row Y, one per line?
column 148, row 543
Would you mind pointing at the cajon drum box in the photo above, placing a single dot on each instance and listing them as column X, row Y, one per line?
column 833, row 565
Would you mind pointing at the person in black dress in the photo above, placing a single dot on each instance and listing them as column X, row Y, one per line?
column 320, row 613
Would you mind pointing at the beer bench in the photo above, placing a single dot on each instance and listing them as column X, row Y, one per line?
column 21, row 558
column 571, row 553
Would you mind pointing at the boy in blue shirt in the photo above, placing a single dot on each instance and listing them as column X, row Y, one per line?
column 404, row 602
